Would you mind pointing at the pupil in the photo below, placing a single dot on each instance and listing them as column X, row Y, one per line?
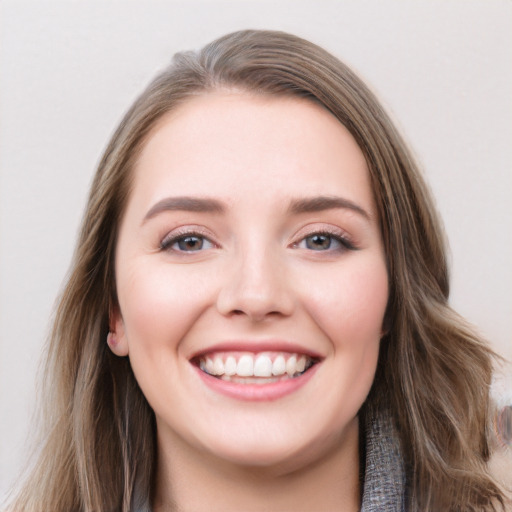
column 317, row 242
column 190, row 243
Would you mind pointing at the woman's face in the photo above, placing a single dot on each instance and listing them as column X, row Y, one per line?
column 251, row 279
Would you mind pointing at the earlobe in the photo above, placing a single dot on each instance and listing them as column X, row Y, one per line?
column 384, row 331
column 116, row 338
column 386, row 324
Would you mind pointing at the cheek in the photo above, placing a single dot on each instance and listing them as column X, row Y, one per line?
column 348, row 304
column 352, row 302
column 161, row 303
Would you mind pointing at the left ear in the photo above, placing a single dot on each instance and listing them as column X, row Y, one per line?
column 385, row 329
column 116, row 338
column 386, row 323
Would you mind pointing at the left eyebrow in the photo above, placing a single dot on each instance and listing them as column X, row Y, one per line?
column 321, row 203
column 185, row 203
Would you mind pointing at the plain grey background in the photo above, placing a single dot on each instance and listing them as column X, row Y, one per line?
column 68, row 71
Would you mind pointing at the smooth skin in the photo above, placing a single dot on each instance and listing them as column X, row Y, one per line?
column 278, row 240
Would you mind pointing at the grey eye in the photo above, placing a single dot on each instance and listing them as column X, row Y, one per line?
column 321, row 242
column 186, row 243
column 190, row 243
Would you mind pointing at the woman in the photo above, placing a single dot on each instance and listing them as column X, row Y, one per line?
column 257, row 316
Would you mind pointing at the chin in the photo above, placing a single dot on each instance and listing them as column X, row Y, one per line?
column 280, row 451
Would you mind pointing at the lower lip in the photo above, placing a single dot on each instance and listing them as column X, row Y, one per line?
column 257, row 392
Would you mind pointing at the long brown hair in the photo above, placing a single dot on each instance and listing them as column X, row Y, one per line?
column 434, row 372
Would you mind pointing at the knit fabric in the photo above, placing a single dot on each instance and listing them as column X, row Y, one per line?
column 384, row 474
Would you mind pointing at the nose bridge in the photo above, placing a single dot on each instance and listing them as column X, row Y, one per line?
column 256, row 282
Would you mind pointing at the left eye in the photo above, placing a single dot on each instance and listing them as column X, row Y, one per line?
column 323, row 242
column 187, row 243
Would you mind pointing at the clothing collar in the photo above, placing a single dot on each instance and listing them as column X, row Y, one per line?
column 384, row 473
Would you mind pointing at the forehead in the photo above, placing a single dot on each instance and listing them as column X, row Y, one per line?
column 259, row 145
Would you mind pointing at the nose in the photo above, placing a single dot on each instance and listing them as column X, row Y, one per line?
column 256, row 286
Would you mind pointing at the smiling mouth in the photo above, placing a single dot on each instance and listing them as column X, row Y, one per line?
column 255, row 368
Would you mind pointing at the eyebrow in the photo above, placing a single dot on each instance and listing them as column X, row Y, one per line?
column 185, row 203
column 296, row 206
column 321, row 203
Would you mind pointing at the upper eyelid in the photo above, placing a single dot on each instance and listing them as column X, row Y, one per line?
column 322, row 229
column 342, row 236
column 184, row 231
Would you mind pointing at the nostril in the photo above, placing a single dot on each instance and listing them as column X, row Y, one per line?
column 256, row 316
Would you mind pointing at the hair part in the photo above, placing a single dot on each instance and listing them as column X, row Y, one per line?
column 434, row 372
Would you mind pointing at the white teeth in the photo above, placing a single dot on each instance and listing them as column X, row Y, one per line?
column 230, row 366
column 252, row 367
column 251, row 380
column 291, row 366
column 209, row 366
column 245, row 366
column 263, row 366
column 218, row 366
column 279, row 366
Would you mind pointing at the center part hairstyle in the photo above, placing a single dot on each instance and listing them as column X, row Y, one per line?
column 434, row 372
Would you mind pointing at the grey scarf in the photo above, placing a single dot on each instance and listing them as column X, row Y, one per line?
column 384, row 475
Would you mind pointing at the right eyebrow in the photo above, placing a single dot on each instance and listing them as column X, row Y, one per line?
column 185, row 203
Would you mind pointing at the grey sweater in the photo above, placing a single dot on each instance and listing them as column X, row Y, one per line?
column 384, row 475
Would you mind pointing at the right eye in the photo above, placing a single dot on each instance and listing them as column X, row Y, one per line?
column 189, row 242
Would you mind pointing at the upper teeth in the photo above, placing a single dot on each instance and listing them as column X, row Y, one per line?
column 255, row 365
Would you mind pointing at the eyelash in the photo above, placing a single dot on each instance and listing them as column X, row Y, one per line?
column 344, row 242
column 174, row 238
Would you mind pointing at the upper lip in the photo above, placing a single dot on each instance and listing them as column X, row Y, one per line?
column 256, row 346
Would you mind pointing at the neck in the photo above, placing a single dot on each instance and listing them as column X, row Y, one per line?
column 191, row 480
